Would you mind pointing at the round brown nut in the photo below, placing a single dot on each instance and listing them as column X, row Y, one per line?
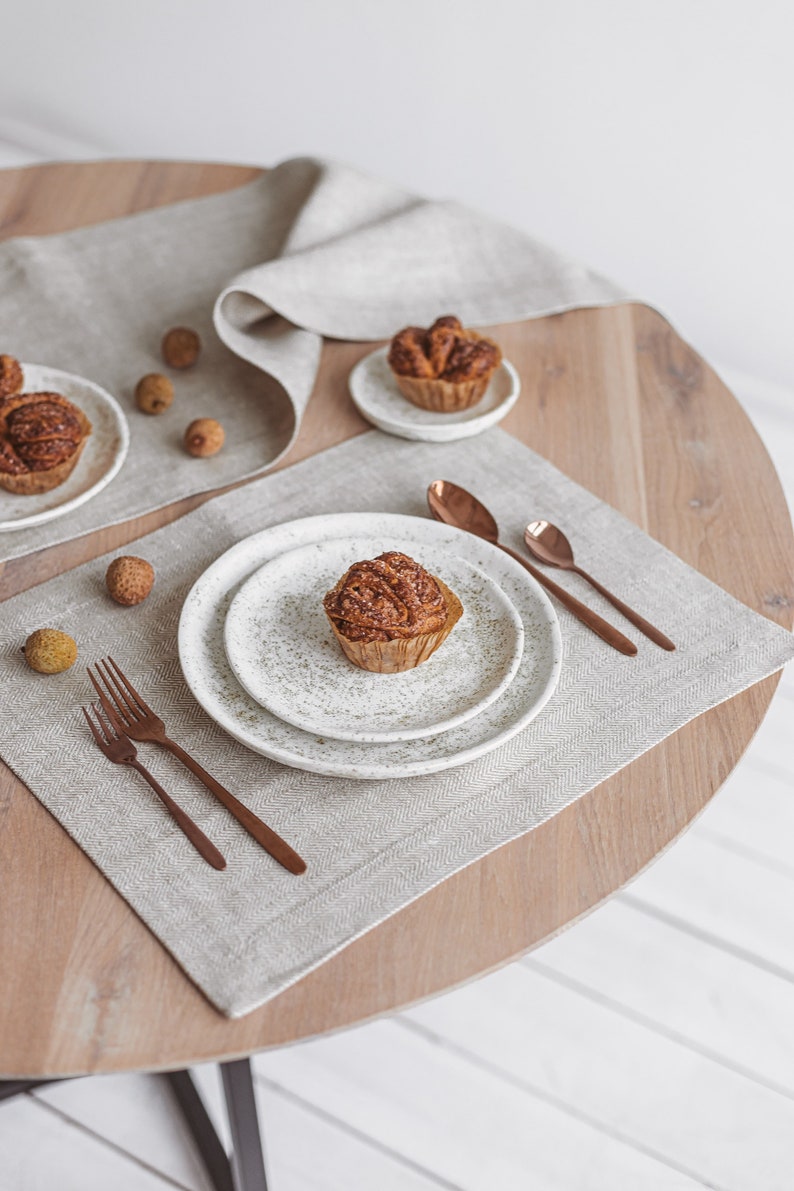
column 49, row 651
column 129, row 579
column 154, row 393
column 11, row 378
column 180, row 347
column 204, row 437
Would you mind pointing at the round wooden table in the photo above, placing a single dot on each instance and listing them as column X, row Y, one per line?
column 612, row 396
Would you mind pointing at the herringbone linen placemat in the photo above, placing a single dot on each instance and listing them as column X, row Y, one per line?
column 313, row 248
column 372, row 846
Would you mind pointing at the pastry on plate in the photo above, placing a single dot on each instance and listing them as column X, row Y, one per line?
column 389, row 614
column 42, row 436
column 445, row 368
column 11, row 376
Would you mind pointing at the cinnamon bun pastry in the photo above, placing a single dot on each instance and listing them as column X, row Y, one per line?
column 11, row 377
column 42, row 436
column 389, row 614
column 444, row 368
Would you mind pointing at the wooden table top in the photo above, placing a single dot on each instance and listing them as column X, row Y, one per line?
column 616, row 399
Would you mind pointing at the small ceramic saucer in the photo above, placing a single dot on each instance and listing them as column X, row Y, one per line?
column 100, row 461
column 376, row 396
column 282, row 649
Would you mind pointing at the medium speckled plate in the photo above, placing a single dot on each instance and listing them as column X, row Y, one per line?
column 212, row 681
column 376, row 396
column 283, row 651
column 102, row 457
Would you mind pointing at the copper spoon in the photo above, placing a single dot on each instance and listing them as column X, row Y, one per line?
column 551, row 546
column 455, row 506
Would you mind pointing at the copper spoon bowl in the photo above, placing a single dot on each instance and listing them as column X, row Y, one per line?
column 550, row 545
column 453, row 505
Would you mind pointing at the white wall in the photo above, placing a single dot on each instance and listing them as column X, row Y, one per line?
column 653, row 140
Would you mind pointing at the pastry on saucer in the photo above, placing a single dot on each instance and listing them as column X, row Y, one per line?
column 445, row 368
column 42, row 436
column 11, row 376
column 389, row 614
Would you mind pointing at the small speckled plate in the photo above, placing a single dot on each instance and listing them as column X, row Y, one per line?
column 283, row 651
column 213, row 683
column 377, row 397
column 102, row 457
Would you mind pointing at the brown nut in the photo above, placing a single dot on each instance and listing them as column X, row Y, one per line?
column 11, row 378
column 129, row 579
column 204, row 437
column 49, row 651
column 180, row 347
column 154, row 393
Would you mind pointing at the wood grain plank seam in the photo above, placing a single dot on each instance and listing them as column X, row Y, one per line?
column 558, row 1102
column 745, row 851
column 81, row 1127
column 705, row 936
column 279, row 1089
column 655, row 1026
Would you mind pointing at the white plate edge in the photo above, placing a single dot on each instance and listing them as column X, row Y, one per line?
column 120, row 419
column 376, row 773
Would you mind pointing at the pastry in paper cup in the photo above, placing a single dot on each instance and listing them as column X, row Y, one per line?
column 42, row 436
column 389, row 614
column 444, row 368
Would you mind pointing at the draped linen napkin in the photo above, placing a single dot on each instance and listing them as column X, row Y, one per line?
column 372, row 847
column 312, row 248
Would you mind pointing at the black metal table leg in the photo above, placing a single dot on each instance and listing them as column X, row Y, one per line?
column 248, row 1162
column 246, row 1171
column 202, row 1129
column 13, row 1087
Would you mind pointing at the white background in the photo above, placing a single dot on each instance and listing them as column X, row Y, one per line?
column 652, row 1045
column 653, row 141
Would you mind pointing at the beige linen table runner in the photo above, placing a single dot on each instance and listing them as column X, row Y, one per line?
column 312, row 248
column 372, row 847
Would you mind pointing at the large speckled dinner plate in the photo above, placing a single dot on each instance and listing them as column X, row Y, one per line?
column 282, row 648
column 211, row 679
column 102, row 457
column 377, row 397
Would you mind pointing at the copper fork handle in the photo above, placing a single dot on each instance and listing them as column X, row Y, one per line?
column 278, row 848
column 640, row 622
column 193, row 832
column 599, row 626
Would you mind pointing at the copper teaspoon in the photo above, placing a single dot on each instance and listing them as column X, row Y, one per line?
column 453, row 505
column 550, row 545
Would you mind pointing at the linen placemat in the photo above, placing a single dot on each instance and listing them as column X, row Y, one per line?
column 312, row 248
column 371, row 846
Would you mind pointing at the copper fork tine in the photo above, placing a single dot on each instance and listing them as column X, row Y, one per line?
column 119, row 749
column 130, row 713
column 124, row 694
column 99, row 739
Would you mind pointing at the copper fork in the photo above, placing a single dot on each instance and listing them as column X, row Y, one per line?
column 119, row 748
column 129, row 713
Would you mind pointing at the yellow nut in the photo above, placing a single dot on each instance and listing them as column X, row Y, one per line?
column 204, row 437
column 50, row 651
column 129, row 579
column 154, row 393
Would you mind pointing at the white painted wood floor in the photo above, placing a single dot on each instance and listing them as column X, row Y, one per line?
column 649, row 1047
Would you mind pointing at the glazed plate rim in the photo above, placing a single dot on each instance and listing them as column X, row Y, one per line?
column 369, row 701
column 213, row 684
column 409, row 421
column 98, row 405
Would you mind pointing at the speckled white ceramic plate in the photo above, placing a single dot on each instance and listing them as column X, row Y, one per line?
column 283, row 651
column 102, row 456
column 212, row 681
column 376, row 396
